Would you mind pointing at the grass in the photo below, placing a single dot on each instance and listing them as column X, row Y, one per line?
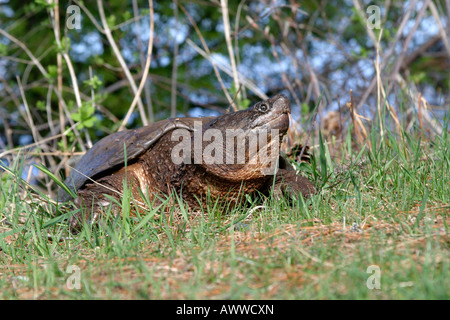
column 386, row 210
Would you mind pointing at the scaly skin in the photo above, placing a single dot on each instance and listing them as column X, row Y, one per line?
column 153, row 170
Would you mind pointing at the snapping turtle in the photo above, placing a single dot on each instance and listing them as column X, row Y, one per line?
column 210, row 157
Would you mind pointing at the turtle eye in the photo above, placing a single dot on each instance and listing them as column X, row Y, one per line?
column 263, row 108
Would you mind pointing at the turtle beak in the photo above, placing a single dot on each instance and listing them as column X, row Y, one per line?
column 278, row 116
column 281, row 104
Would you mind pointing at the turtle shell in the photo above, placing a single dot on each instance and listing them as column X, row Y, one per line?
column 108, row 153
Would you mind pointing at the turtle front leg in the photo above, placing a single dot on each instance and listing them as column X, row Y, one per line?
column 91, row 208
column 94, row 198
column 288, row 182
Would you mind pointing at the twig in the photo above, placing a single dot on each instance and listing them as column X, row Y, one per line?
column 246, row 82
column 414, row 96
column 357, row 123
column 148, row 97
column 206, row 48
column 48, row 109
column 442, row 32
column 379, row 85
column 420, row 113
column 370, row 32
column 27, row 51
column 90, row 16
column 5, row 121
column 37, row 63
column 34, row 144
column 146, row 70
column 59, row 85
column 66, row 57
column 400, row 57
column 236, row 39
column 125, row 69
column 29, row 118
column 284, row 77
column 388, row 54
column 173, row 91
column 227, row 30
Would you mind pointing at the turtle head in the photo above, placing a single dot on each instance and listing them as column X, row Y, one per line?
column 245, row 145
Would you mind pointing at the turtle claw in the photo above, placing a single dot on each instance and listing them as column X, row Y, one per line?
column 76, row 222
column 288, row 182
column 84, row 216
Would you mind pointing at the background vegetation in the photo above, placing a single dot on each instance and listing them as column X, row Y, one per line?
column 371, row 103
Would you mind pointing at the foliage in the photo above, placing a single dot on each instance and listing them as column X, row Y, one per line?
column 372, row 105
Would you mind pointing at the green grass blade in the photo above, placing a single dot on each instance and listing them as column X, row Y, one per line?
column 56, row 179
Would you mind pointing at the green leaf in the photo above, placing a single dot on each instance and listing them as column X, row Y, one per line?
column 89, row 123
column 52, row 71
column 94, row 83
column 85, row 115
column 305, row 108
column 65, row 44
column 45, row 3
column 3, row 49
column 41, row 105
column 111, row 21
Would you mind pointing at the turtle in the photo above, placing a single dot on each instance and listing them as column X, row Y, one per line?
column 234, row 154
